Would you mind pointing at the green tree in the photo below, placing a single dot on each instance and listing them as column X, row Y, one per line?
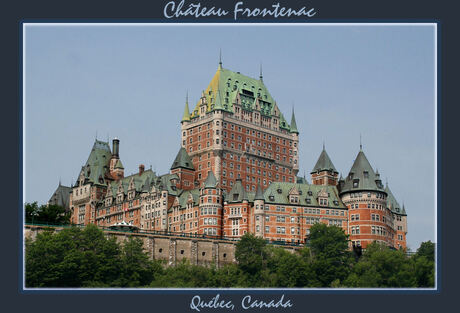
column 46, row 214
column 72, row 258
column 288, row 269
column 136, row 268
column 381, row 266
column 251, row 255
column 424, row 262
column 330, row 255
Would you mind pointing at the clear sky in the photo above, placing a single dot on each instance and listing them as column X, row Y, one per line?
column 131, row 81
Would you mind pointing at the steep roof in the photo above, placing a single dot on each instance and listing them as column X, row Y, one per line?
column 61, row 196
column 293, row 123
column 119, row 164
column 97, row 164
column 392, row 203
column 211, row 181
column 182, row 160
column 362, row 176
column 278, row 193
column 186, row 116
column 324, row 163
column 259, row 193
column 226, row 86
column 238, row 193
column 140, row 182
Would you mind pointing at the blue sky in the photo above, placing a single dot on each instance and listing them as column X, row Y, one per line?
column 131, row 82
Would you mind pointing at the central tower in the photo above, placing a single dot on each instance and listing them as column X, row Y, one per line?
column 237, row 131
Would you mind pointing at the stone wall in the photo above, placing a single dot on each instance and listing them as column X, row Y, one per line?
column 172, row 249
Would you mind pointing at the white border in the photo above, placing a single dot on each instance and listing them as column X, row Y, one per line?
column 24, row 25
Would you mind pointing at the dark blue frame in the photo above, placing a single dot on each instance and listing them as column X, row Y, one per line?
column 306, row 291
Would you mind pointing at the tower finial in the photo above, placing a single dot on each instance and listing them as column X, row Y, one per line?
column 96, row 135
column 260, row 75
column 360, row 143
column 220, row 58
column 324, row 145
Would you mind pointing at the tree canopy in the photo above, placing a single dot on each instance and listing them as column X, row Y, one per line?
column 76, row 257
column 46, row 214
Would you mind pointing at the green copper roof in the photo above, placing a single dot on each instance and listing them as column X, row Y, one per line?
column 259, row 193
column 278, row 193
column 186, row 116
column 182, row 160
column 362, row 176
column 226, row 86
column 392, row 203
column 324, row 163
column 119, row 164
column 237, row 194
column 97, row 164
column 211, row 181
column 293, row 123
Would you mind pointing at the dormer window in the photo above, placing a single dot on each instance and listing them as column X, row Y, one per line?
column 310, row 193
column 308, row 200
column 366, row 174
column 271, row 198
column 235, row 196
column 356, row 183
column 279, row 190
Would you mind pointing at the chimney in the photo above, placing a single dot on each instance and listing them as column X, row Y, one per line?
column 115, row 146
column 141, row 169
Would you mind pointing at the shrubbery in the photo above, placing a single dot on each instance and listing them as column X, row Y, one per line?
column 87, row 258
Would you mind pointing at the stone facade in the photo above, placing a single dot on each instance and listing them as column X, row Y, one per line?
column 236, row 172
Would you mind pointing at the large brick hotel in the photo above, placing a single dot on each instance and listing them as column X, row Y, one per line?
column 236, row 172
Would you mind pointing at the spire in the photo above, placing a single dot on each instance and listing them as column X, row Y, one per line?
column 260, row 75
column 186, row 116
column 293, row 123
column 220, row 58
column 259, row 193
column 360, row 143
column 324, row 146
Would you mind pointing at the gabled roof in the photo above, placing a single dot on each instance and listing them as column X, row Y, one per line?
column 362, row 176
column 141, row 182
column 237, row 194
column 182, row 160
column 211, row 181
column 324, row 163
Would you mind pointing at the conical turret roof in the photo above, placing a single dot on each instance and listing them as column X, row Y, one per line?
column 182, row 160
column 211, row 181
column 324, row 163
column 293, row 123
column 259, row 193
column 362, row 176
column 186, row 116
